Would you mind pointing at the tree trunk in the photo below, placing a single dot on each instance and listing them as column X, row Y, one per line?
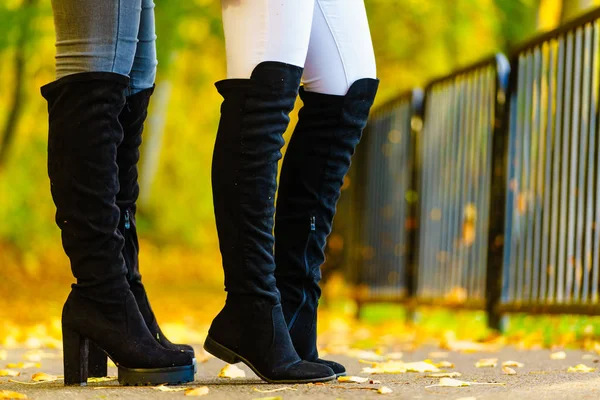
column 153, row 140
column 19, row 61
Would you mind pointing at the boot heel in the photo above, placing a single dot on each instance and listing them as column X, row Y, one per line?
column 220, row 352
column 97, row 361
column 75, row 357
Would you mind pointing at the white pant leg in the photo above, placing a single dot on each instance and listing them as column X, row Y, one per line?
column 340, row 50
column 265, row 30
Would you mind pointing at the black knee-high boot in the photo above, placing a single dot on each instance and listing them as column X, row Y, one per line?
column 132, row 120
column 84, row 133
column 251, row 327
column 315, row 164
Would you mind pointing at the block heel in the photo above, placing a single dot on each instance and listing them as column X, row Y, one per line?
column 220, row 352
column 75, row 358
column 97, row 361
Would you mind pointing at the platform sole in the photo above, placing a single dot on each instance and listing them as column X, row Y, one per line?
column 223, row 353
column 156, row 376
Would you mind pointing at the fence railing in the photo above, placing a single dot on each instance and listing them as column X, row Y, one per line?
column 551, row 258
column 492, row 199
column 455, row 184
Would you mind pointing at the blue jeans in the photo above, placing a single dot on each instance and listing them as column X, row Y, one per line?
column 106, row 36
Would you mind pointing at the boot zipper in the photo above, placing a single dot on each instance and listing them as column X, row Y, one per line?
column 306, row 269
column 127, row 220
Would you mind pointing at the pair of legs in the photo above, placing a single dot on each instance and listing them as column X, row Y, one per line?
column 105, row 66
column 330, row 39
column 269, row 319
column 115, row 36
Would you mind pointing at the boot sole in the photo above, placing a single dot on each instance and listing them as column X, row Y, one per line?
column 155, row 376
column 230, row 357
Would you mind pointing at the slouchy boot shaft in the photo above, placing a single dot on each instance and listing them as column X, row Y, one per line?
column 84, row 133
column 316, row 162
column 254, row 116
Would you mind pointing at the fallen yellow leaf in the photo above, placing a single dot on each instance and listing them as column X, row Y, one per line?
column 102, row 379
column 384, row 390
column 43, row 377
column 352, row 379
column 268, row 398
column 561, row 355
column 420, row 366
column 389, row 367
column 508, row 371
column 199, row 391
column 7, row 394
column 444, row 364
column 9, row 372
column 165, row 388
column 581, row 368
column 513, row 364
column 487, row 363
column 449, row 382
column 22, row 365
column 231, row 371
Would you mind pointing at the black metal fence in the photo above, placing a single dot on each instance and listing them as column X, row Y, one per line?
column 551, row 258
column 490, row 198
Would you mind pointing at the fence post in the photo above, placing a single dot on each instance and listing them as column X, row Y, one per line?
column 504, row 85
column 413, row 201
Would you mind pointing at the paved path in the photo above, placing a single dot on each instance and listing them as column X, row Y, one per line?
column 540, row 378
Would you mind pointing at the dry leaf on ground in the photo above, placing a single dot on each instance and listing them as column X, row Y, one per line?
column 374, row 382
column 199, row 391
column 22, row 365
column 421, row 366
column 165, row 388
column 231, row 371
column 384, row 390
column 445, row 375
column 581, row 368
column 508, row 371
column 268, row 398
column 449, row 382
column 43, row 377
column 487, row 363
column 7, row 394
column 281, row 389
column 560, row 355
column 444, row 364
column 352, row 379
column 513, row 364
column 9, row 372
column 102, row 379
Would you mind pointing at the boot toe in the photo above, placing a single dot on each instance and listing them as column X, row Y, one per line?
column 337, row 368
column 305, row 371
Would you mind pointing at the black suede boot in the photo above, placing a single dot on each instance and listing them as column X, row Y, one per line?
column 251, row 327
column 315, row 164
column 84, row 133
column 132, row 120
